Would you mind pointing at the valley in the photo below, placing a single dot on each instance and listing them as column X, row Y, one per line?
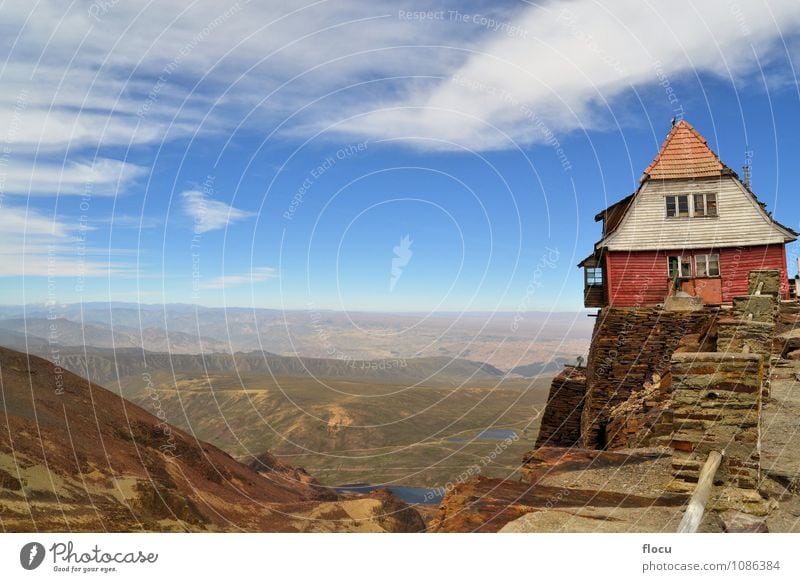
column 415, row 402
column 354, row 432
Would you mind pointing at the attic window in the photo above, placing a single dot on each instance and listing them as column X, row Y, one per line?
column 677, row 206
column 705, row 205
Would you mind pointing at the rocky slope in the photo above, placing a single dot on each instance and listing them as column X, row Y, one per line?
column 76, row 457
column 563, row 486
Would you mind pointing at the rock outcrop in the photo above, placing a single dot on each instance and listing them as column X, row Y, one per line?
column 561, row 421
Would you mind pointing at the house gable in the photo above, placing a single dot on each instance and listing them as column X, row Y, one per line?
column 740, row 220
column 685, row 166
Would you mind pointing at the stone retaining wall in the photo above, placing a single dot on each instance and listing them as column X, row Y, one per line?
column 561, row 421
column 629, row 347
column 716, row 404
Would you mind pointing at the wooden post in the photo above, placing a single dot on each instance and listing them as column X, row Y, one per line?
column 697, row 504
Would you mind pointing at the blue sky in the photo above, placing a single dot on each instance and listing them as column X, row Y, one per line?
column 356, row 155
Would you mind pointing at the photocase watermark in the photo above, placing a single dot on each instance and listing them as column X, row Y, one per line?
column 471, row 471
column 84, row 203
column 169, row 447
column 322, row 334
column 53, row 342
column 487, row 22
column 168, row 70
column 68, row 559
column 548, row 260
column 548, row 136
column 741, row 20
column 20, row 105
column 207, row 189
column 318, row 171
column 672, row 97
column 394, row 363
column 100, row 8
column 332, row 352
column 31, row 555
column 402, row 256
column 569, row 20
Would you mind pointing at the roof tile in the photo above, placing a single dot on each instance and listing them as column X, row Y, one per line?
column 684, row 154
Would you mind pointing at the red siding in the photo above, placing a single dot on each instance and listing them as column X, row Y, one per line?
column 640, row 277
column 636, row 278
column 736, row 263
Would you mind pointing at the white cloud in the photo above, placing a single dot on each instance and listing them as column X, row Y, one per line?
column 573, row 59
column 256, row 275
column 33, row 244
column 101, row 177
column 209, row 214
column 87, row 75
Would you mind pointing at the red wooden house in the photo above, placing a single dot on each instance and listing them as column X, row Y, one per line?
column 691, row 225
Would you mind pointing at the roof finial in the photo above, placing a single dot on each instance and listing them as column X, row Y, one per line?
column 748, row 156
column 674, row 119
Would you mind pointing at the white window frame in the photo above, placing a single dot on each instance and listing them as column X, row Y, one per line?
column 704, row 196
column 705, row 262
column 691, row 209
column 683, row 260
column 592, row 277
column 676, row 198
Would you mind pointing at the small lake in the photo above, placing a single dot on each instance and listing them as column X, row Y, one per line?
column 490, row 434
column 405, row 493
column 497, row 434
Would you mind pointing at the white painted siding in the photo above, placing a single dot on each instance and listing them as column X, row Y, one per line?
column 741, row 221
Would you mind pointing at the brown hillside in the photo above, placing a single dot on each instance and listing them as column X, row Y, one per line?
column 76, row 457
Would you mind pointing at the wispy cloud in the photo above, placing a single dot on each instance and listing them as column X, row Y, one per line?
column 473, row 74
column 101, row 177
column 256, row 275
column 209, row 214
column 33, row 244
column 573, row 60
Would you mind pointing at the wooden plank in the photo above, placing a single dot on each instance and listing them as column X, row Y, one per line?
column 741, row 221
column 697, row 504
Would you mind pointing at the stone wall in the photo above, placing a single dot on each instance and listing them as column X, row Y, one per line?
column 770, row 280
column 716, row 405
column 643, row 419
column 629, row 347
column 750, row 329
column 561, row 421
column 786, row 343
column 762, row 308
column 750, row 337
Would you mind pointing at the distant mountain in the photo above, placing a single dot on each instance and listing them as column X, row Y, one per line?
column 76, row 457
column 503, row 340
column 108, row 366
column 537, row 368
column 63, row 332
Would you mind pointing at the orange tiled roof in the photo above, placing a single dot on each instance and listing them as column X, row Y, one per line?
column 684, row 154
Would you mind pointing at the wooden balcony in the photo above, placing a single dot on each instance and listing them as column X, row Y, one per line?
column 595, row 293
